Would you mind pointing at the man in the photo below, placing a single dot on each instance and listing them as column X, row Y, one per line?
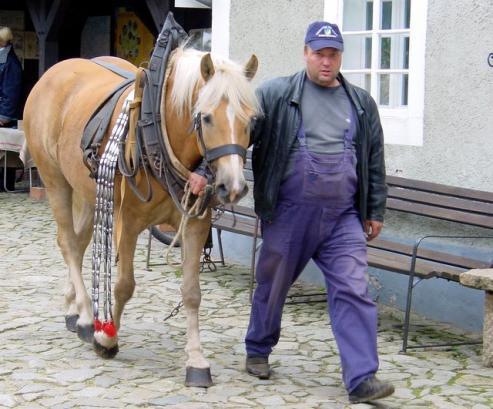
column 318, row 163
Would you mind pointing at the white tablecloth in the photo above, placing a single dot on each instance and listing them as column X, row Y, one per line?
column 12, row 140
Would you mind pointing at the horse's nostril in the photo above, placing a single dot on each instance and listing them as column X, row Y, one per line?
column 244, row 191
column 221, row 189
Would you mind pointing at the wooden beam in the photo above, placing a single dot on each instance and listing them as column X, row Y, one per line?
column 47, row 22
column 35, row 8
column 159, row 10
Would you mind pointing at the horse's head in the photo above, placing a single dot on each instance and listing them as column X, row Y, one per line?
column 223, row 106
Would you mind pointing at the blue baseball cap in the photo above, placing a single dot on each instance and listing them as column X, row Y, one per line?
column 321, row 34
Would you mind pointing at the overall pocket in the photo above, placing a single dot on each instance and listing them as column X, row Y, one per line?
column 335, row 180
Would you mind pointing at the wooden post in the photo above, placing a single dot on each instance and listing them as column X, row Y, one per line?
column 159, row 10
column 47, row 20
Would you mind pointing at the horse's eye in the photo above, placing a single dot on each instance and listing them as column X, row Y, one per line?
column 207, row 119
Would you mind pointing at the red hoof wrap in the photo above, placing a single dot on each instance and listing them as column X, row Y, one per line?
column 107, row 327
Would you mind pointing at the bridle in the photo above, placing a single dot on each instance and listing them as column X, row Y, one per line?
column 211, row 154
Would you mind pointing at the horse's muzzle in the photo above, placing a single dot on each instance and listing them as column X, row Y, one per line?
column 231, row 194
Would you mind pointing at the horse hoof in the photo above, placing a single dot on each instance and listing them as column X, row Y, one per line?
column 85, row 332
column 198, row 377
column 71, row 322
column 103, row 352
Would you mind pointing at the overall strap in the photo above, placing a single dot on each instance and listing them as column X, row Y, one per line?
column 350, row 133
column 300, row 135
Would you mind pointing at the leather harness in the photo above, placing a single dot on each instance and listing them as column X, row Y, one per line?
column 152, row 149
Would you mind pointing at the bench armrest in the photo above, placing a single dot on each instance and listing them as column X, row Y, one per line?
column 442, row 236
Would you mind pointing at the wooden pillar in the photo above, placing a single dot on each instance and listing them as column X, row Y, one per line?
column 159, row 10
column 47, row 17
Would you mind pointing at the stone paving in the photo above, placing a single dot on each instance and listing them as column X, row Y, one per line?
column 44, row 366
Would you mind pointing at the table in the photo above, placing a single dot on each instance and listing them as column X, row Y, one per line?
column 13, row 141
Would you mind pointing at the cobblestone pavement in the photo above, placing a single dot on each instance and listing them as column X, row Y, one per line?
column 44, row 366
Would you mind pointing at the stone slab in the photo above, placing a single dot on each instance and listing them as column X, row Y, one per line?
column 478, row 278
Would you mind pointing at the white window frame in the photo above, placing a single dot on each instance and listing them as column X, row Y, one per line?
column 221, row 17
column 401, row 125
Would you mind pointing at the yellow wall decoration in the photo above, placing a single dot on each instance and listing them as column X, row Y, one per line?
column 134, row 42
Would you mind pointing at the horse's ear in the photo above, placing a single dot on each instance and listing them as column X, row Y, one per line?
column 251, row 67
column 207, row 67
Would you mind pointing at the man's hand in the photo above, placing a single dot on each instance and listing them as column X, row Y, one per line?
column 197, row 183
column 2, row 123
column 372, row 229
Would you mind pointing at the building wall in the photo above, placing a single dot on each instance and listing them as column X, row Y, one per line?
column 458, row 125
column 456, row 150
column 274, row 31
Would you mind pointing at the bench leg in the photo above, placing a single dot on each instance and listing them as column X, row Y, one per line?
column 488, row 330
column 407, row 317
column 221, row 254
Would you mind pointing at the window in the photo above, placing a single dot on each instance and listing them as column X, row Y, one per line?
column 378, row 59
column 384, row 54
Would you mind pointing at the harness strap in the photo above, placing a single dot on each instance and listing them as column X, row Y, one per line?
column 231, row 149
column 114, row 68
column 131, row 147
column 169, row 172
column 97, row 126
column 211, row 154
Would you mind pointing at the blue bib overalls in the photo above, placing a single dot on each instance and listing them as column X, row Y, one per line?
column 316, row 218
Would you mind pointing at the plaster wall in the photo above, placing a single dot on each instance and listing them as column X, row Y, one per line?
column 274, row 31
column 458, row 125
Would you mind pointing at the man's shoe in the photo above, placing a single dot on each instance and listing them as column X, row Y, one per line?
column 258, row 366
column 371, row 389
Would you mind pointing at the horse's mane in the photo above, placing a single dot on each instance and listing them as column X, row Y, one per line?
column 228, row 82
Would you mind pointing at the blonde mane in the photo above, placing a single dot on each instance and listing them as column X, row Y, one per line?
column 228, row 82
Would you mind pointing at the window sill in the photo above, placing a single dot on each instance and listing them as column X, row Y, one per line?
column 401, row 127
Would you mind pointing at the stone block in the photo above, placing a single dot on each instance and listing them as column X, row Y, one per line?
column 481, row 279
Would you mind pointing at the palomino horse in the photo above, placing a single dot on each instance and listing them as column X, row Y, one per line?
column 55, row 114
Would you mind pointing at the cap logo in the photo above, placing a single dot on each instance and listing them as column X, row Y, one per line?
column 326, row 31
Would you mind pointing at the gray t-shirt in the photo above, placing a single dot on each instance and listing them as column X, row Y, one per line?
column 326, row 115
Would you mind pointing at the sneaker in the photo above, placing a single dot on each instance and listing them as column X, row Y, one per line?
column 258, row 366
column 371, row 389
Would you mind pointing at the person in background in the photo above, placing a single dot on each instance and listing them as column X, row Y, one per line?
column 10, row 80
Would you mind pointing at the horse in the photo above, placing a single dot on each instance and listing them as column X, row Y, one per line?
column 56, row 112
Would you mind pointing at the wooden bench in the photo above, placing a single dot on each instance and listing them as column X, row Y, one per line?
column 459, row 206
column 427, row 200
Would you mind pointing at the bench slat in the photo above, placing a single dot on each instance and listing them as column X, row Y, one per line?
column 248, row 175
column 438, row 188
column 441, row 201
column 401, row 263
column 237, row 209
column 472, row 219
column 431, row 255
column 240, row 225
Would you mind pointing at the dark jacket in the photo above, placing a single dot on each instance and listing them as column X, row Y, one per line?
column 10, row 85
column 276, row 131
